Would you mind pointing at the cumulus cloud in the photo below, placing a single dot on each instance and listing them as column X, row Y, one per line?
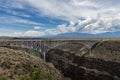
column 90, row 25
column 10, row 4
column 64, row 9
column 33, row 33
column 84, row 16
column 37, row 27
column 15, row 20
column 74, row 9
column 15, row 13
column 63, row 28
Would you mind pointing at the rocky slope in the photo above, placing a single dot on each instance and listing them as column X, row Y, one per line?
column 19, row 65
column 74, row 61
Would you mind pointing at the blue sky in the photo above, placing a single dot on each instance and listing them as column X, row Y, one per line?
column 52, row 17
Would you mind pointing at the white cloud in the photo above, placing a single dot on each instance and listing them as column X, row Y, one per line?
column 33, row 33
column 74, row 9
column 89, row 25
column 37, row 27
column 15, row 13
column 64, row 9
column 16, row 20
column 9, row 4
column 99, row 16
column 85, row 16
column 63, row 28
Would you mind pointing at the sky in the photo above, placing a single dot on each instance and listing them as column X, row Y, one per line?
column 53, row 17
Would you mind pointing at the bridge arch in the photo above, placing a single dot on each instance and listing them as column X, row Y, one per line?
column 44, row 46
column 57, row 46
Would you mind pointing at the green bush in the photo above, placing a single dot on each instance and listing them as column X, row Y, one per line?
column 2, row 77
column 35, row 74
column 39, row 74
column 22, row 78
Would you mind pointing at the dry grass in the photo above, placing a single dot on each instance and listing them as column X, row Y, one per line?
column 16, row 63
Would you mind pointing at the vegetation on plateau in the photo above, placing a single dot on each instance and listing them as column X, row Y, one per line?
column 20, row 65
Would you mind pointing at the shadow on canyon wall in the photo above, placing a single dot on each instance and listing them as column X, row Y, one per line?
column 102, row 64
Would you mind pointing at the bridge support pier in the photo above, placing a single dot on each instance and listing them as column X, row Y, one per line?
column 44, row 54
column 90, row 52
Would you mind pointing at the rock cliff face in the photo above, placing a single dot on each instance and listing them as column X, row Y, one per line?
column 100, row 65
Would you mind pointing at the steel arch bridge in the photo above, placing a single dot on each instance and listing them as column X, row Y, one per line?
column 44, row 46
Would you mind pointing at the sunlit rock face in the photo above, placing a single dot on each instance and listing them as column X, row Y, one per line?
column 75, row 61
